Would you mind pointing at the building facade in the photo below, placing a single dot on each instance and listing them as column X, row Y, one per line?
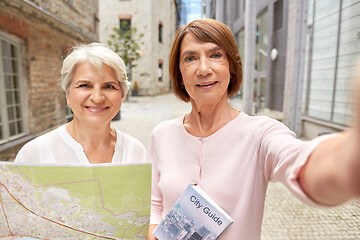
column 302, row 56
column 35, row 37
column 157, row 21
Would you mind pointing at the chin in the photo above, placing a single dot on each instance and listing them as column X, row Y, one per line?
column 97, row 121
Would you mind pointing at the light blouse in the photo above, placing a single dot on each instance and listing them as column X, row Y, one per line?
column 57, row 146
column 233, row 165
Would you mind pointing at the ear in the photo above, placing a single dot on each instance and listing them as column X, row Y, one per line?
column 67, row 99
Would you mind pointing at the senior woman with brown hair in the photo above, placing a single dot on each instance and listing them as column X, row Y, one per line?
column 230, row 154
column 94, row 79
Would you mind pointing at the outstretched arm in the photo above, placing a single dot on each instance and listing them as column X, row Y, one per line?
column 332, row 174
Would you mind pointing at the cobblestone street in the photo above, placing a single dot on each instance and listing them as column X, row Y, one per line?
column 285, row 217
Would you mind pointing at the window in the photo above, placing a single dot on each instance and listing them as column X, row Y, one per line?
column 160, row 71
column 11, row 107
column 334, row 45
column 125, row 25
column 160, row 31
column 261, row 41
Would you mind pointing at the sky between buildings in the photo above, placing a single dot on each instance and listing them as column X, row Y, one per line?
column 193, row 10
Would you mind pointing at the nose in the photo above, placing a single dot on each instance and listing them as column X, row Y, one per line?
column 97, row 95
column 204, row 67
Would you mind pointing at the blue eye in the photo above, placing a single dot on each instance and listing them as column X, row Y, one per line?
column 217, row 55
column 189, row 59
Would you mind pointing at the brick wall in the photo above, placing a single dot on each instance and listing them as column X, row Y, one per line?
column 79, row 14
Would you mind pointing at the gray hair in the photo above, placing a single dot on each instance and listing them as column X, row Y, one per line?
column 96, row 54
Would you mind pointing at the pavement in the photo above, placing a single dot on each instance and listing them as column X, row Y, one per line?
column 285, row 217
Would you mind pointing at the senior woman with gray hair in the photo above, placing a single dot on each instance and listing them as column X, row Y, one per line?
column 95, row 82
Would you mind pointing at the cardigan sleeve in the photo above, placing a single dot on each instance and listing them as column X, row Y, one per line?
column 284, row 155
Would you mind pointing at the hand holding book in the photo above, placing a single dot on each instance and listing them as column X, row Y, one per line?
column 193, row 216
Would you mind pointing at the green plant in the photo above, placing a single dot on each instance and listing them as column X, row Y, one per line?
column 145, row 74
column 126, row 44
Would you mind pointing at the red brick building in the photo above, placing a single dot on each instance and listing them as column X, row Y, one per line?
column 34, row 38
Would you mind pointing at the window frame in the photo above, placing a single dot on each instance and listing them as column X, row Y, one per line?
column 4, row 118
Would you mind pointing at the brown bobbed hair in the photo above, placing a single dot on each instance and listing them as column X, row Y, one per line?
column 207, row 30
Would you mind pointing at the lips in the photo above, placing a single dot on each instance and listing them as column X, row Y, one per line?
column 207, row 84
column 96, row 109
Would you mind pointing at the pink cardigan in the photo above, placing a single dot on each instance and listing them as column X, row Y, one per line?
column 234, row 166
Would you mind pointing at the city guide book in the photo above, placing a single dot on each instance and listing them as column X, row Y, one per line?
column 93, row 201
column 193, row 216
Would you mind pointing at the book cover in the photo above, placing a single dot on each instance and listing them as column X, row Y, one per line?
column 193, row 216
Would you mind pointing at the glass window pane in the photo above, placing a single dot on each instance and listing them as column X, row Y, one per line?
column 18, row 112
column 14, row 66
column 8, row 82
column 13, row 51
column 16, row 82
column 5, row 46
column 20, row 127
column 9, row 98
column 7, row 65
column 125, row 25
column 17, row 96
column 262, row 43
column 11, row 114
column 12, row 129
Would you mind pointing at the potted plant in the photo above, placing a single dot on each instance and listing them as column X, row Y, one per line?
column 135, row 89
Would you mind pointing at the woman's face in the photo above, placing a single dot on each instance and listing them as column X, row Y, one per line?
column 94, row 98
column 205, row 70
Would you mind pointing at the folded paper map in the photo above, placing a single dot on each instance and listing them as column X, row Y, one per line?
column 105, row 201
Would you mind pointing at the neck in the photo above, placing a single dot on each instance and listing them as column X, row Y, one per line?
column 92, row 135
column 206, row 119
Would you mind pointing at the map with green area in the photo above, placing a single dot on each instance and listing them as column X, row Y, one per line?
column 104, row 201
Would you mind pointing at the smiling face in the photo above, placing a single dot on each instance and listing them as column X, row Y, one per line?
column 204, row 68
column 94, row 97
